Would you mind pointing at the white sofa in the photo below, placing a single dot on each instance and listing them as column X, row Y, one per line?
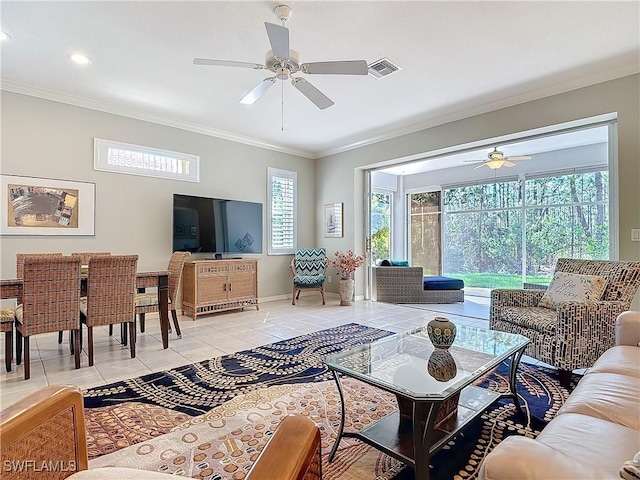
column 595, row 432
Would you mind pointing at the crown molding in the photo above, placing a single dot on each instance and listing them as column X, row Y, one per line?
column 558, row 88
column 115, row 109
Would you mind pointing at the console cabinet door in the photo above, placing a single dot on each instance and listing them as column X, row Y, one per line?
column 242, row 281
column 210, row 286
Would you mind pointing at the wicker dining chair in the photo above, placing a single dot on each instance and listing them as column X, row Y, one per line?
column 86, row 256
column 148, row 302
column 50, row 303
column 84, row 259
column 20, row 258
column 111, row 289
column 7, row 319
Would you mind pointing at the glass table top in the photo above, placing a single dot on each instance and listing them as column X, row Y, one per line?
column 409, row 364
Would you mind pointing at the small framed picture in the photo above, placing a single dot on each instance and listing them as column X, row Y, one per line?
column 333, row 220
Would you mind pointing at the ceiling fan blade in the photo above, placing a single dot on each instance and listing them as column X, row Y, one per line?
column 312, row 93
column 518, row 157
column 279, row 39
column 481, row 165
column 227, row 63
column 258, row 91
column 345, row 67
column 507, row 163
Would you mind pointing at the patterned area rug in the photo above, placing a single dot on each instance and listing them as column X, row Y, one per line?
column 212, row 419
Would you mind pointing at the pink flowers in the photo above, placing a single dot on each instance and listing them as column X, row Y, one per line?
column 346, row 263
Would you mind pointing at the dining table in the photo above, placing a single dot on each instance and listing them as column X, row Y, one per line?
column 12, row 288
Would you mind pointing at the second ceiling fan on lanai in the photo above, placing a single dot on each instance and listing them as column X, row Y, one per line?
column 285, row 62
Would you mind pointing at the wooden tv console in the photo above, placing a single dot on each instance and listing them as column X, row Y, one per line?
column 210, row 286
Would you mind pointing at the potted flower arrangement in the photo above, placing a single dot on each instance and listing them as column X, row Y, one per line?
column 345, row 265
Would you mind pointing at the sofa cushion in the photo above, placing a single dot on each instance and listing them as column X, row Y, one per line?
column 524, row 458
column 535, row 318
column 432, row 282
column 572, row 287
column 603, row 446
column 622, row 359
column 607, row 396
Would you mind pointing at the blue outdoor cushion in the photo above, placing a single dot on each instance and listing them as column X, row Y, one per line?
column 442, row 283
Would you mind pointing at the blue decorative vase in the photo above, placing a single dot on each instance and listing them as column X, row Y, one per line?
column 442, row 332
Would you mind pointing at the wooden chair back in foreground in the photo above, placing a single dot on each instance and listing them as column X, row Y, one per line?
column 148, row 302
column 50, row 303
column 49, row 426
column 46, row 427
column 111, row 290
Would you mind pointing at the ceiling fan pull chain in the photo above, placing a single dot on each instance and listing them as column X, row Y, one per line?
column 282, row 107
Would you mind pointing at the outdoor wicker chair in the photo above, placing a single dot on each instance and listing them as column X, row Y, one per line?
column 50, row 303
column 111, row 289
column 573, row 334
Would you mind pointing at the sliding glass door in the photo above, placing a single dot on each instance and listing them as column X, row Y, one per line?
column 425, row 225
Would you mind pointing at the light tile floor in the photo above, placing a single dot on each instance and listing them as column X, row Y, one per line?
column 211, row 336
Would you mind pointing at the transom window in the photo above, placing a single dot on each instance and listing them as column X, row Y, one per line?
column 118, row 157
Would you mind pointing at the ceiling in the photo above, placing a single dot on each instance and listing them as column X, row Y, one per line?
column 457, row 59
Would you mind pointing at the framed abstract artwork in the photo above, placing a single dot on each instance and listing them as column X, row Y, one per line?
column 333, row 220
column 46, row 206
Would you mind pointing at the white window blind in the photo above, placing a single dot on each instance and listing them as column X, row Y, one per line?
column 118, row 157
column 282, row 187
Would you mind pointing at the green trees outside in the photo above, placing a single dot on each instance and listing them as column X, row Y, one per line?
column 380, row 226
column 562, row 216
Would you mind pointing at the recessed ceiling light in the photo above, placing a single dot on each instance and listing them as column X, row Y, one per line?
column 4, row 36
column 79, row 58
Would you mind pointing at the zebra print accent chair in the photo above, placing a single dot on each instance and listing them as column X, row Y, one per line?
column 309, row 268
column 573, row 334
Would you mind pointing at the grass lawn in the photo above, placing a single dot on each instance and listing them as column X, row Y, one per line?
column 495, row 280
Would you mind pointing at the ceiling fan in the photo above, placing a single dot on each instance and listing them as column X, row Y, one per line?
column 497, row 159
column 285, row 62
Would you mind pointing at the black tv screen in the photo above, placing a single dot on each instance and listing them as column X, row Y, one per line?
column 216, row 225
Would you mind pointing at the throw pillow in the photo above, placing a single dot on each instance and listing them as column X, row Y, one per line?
column 385, row 263
column 399, row 263
column 631, row 468
column 572, row 287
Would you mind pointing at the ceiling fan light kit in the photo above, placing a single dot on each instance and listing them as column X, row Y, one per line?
column 497, row 159
column 285, row 63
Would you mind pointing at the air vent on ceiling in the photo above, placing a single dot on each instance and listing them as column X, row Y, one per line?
column 383, row 67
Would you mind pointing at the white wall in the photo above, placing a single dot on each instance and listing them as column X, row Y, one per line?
column 42, row 138
column 340, row 177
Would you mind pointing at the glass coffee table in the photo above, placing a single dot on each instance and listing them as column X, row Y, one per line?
column 436, row 398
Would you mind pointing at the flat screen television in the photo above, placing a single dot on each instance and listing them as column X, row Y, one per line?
column 216, row 225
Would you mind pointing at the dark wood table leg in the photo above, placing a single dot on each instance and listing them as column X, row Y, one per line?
column 8, row 349
column 163, row 299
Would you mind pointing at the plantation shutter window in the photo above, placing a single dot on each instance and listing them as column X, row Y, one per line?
column 282, row 185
